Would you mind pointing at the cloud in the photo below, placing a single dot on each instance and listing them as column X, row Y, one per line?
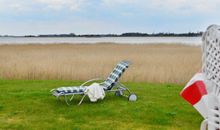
column 91, row 16
column 13, row 5
column 187, row 6
column 38, row 5
column 170, row 6
column 62, row 4
column 117, row 2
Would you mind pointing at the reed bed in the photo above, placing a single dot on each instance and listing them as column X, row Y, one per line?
column 151, row 63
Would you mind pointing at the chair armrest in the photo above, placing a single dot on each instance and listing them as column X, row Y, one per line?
column 90, row 81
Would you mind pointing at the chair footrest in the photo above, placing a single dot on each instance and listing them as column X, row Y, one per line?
column 68, row 91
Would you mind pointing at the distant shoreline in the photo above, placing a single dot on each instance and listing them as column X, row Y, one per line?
column 89, row 36
column 132, row 34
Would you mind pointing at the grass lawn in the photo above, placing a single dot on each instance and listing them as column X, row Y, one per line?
column 28, row 105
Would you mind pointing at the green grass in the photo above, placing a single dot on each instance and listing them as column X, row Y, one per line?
column 28, row 105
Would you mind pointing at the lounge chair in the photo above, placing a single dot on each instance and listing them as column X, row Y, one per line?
column 111, row 84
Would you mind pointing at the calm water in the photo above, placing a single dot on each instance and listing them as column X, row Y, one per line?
column 121, row 40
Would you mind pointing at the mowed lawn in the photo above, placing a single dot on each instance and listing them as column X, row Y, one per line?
column 28, row 104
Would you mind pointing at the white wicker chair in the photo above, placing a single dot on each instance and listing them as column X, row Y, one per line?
column 211, row 70
column 203, row 90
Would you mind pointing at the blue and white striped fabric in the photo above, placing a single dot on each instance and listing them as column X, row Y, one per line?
column 65, row 90
column 108, row 84
column 115, row 75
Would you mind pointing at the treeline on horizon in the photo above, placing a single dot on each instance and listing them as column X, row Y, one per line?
column 130, row 34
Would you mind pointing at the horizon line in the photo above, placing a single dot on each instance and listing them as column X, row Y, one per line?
column 101, row 34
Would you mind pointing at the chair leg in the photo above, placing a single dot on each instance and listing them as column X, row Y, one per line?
column 66, row 99
column 128, row 90
column 126, row 94
column 58, row 98
column 82, row 99
column 71, row 98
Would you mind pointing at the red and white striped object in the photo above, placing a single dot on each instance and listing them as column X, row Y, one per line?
column 196, row 94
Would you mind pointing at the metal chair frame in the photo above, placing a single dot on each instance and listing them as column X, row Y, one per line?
column 119, row 88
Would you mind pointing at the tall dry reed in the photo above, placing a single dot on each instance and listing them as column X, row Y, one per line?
column 151, row 63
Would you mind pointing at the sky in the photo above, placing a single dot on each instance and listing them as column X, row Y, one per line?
column 33, row 17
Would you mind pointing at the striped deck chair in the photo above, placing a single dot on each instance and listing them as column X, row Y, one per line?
column 111, row 84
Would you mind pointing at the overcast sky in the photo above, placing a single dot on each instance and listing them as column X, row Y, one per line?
column 22, row 17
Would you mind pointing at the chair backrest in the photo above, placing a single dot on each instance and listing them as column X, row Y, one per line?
column 211, row 70
column 114, row 76
column 211, row 54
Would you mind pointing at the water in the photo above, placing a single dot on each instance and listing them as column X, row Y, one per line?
column 120, row 40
